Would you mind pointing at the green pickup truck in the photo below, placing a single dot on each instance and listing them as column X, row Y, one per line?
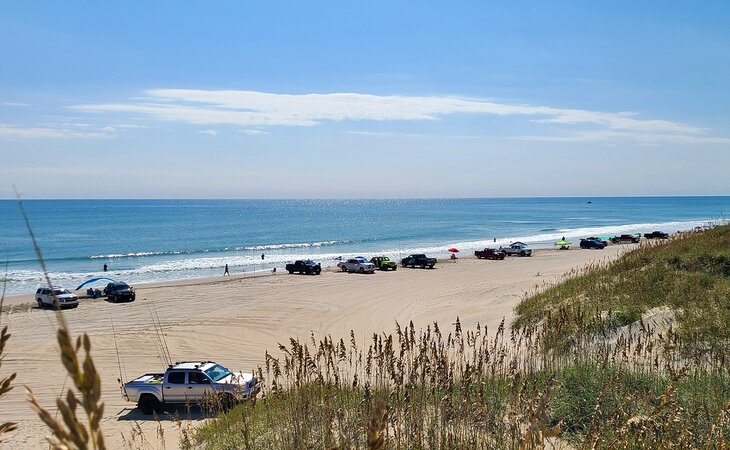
column 384, row 263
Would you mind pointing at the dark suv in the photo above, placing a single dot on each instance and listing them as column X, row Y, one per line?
column 119, row 292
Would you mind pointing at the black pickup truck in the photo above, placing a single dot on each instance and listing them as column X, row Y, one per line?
column 656, row 235
column 418, row 260
column 304, row 266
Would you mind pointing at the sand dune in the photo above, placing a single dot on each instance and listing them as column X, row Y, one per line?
column 235, row 320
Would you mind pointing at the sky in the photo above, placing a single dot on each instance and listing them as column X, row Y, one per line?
column 364, row 99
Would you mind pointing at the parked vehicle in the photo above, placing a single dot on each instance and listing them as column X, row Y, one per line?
column 119, row 291
column 384, row 263
column 58, row 298
column 358, row 264
column 190, row 382
column 418, row 260
column 656, row 235
column 626, row 239
column 593, row 243
column 304, row 266
column 517, row 248
column 489, row 253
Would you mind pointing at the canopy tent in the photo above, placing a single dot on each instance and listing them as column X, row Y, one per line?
column 94, row 280
column 564, row 245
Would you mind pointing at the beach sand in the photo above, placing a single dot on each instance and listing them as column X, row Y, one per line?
column 234, row 320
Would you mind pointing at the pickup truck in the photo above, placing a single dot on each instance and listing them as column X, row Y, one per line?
column 418, row 260
column 190, row 382
column 358, row 264
column 656, row 235
column 626, row 239
column 516, row 248
column 489, row 253
column 304, row 266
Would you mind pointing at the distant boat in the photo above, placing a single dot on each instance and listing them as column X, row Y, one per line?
column 589, row 202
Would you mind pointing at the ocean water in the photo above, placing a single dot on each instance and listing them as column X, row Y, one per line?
column 156, row 240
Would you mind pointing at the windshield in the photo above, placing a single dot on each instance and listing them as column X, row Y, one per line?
column 121, row 286
column 61, row 291
column 217, row 372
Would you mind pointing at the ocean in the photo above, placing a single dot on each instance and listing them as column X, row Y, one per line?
column 158, row 240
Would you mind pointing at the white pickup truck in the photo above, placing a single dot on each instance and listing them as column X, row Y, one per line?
column 357, row 264
column 190, row 382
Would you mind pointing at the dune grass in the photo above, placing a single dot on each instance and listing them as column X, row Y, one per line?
column 688, row 277
column 559, row 374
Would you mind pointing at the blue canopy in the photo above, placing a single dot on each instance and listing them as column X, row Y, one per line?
column 93, row 280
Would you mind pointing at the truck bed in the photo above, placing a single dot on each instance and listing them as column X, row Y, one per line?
column 149, row 378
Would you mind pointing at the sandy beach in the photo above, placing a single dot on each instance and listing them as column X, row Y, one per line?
column 235, row 320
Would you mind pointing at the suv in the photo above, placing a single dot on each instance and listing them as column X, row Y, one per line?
column 384, row 263
column 357, row 264
column 63, row 298
column 592, row 243
column 119, row 291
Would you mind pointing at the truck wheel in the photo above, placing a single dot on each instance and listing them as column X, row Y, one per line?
column 423, row 266
column 522, row 253
column 148, row 404
column 361, row 270
column 40, row 303
column 291, row 272
column 395, row 268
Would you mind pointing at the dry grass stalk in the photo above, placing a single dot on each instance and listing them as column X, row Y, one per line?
column 71, row 432
column 5, row 382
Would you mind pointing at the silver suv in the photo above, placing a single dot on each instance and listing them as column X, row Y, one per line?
column 63, row 298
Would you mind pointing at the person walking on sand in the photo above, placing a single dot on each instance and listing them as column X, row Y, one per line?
column 225, row 271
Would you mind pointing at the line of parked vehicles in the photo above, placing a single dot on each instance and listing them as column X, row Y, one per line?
column 62, row 298
column 360, row 264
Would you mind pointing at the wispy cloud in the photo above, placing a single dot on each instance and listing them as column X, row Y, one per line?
column 21, row 105
column 209, row 132
column 254, row 132
column 21, row 132
column 617, row 136
column 249, row 108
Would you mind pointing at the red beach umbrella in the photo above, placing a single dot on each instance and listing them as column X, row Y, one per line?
column 454, row 250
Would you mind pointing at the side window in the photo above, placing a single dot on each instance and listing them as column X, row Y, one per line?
column 196, row 378
column 176, row 378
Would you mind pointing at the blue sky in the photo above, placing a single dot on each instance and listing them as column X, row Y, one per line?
column 381, row 99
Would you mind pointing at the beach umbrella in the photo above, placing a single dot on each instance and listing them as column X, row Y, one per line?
column 454, row 250
column 93, row 280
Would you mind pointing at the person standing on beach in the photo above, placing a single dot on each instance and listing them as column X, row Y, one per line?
column 225, row 271
column 262, row 257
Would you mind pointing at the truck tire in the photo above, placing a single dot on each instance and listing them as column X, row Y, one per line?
column 40, row 303
column 291, row 272
column 148, row 404
column 522, row 253
column 423, row 266
column 361, row 270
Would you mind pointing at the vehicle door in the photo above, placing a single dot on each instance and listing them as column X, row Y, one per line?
column 175, row 386
column 198, row 386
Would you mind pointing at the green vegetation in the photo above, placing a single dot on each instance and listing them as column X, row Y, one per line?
column 579, row 366
column 687, row 277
